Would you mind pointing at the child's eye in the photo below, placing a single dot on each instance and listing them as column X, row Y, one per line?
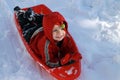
column 55, row 30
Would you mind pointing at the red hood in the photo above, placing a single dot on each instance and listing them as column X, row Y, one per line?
column 49, row 21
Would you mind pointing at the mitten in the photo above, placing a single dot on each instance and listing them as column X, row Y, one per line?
column 76, row 57
column 65, row 59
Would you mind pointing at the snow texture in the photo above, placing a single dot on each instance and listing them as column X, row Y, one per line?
column 94, row 25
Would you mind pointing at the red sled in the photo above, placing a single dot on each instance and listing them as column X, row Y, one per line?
column 67, row 72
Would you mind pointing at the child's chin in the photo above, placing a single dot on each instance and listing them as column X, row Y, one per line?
column 59, row 40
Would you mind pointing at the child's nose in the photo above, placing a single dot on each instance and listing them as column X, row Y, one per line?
column 59, row 32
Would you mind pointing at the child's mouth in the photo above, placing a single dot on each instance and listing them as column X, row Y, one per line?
column 59, row 36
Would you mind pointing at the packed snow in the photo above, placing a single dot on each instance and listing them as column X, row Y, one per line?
column 94, row 25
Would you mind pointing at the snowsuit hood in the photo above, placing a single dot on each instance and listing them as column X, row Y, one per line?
column 49, row 21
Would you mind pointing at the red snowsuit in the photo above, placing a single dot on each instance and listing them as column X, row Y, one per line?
column 44, row 45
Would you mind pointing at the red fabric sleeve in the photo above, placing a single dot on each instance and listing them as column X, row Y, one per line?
column 75, row 55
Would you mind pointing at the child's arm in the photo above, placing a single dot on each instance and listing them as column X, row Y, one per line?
column 73, row 54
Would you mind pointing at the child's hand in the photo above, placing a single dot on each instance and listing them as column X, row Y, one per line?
column 76, row 57
column 65, row 59
column 68, row 58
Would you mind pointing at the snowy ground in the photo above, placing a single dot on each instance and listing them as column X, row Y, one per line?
column 94, row 24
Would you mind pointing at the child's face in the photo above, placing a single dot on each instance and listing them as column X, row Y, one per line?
column 58, row 33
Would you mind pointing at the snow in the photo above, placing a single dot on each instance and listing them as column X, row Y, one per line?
column 94, row 24
column 70, row 71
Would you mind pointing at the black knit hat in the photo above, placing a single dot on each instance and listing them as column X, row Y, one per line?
column 17, row 8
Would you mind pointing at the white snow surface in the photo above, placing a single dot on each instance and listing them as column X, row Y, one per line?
column 94, row 25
